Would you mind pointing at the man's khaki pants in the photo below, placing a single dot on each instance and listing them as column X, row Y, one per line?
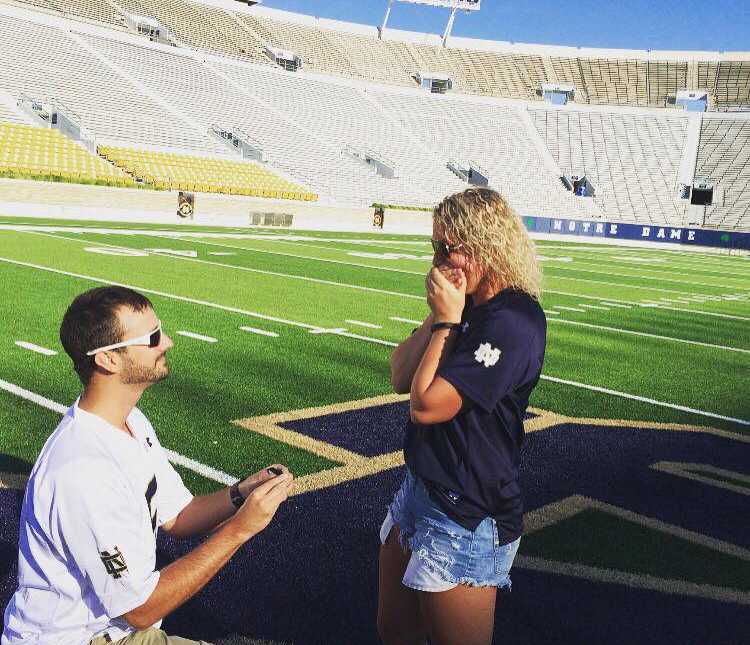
column 148, row 636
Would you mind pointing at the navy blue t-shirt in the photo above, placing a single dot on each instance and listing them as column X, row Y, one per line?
column 470, row 463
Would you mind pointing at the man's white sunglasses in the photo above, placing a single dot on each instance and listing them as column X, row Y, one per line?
column 152, row 339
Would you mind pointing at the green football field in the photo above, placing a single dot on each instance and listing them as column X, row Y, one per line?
column 268, row 322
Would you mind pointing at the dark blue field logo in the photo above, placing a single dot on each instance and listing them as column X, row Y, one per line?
column 647, row 505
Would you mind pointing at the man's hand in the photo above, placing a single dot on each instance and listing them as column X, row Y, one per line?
column 261, row 505
column 249, row 484
column 446, row 295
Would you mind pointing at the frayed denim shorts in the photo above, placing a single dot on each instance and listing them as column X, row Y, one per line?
column 444, row 554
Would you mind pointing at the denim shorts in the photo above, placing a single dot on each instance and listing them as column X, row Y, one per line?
column 444, row 554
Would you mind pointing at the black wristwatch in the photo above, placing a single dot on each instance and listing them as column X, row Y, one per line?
column 443, row 325
column 236, row 496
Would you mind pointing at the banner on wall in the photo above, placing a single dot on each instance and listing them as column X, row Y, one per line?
column 639, row 232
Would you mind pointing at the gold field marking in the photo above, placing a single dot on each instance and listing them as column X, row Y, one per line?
column 555, row 512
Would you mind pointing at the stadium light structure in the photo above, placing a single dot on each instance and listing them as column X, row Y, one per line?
column 453, row 5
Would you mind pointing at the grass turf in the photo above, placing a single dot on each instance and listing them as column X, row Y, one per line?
column 245, row 375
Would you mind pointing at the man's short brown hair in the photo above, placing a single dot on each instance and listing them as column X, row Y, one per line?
column 91, row 321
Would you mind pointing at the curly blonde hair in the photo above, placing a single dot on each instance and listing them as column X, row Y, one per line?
column 494, row 236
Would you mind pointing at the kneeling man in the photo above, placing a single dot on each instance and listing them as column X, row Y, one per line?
column 102, row 487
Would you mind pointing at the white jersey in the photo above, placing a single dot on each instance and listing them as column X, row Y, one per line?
column 87, row 543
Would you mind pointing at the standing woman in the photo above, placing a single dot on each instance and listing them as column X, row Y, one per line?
column 454, row 526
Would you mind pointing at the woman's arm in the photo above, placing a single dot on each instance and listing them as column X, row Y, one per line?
column 433, row 399
column 405, row 358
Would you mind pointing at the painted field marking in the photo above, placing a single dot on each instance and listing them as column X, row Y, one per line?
column 699, row 312
column 189, row 334
column 365, row 338
column 678, row 255
column 406, row 320
column 615, row 304
column 622, row 284
column 236, row 267
column 364, row 324
column 307, row 257
column 557, row 292
column 556, row 512
column 585, row 306
column 219, row 252
column 643, row 399
column 550, row 312
column 702, row 473
column 36, row 348
column 655, row 275
column 355, row 466
column 262, row 332
column 163, row 294
column 580, row 311
column 226, row 233
column 640, row 277
column 334, row 330
column 619, row 330
column 176, row 458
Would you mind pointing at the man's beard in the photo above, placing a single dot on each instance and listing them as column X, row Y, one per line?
column 134, row 374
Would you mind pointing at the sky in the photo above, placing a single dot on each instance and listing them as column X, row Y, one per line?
column 711, row 25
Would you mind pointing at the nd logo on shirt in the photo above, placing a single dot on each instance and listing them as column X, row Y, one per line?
column 487, row 354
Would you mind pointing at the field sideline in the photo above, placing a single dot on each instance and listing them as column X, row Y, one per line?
column 281, row 353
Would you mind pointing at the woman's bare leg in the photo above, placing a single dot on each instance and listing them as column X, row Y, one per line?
column 461, row 616
column 398, row 606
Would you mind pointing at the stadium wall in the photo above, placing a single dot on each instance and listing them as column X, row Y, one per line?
column 35, row 199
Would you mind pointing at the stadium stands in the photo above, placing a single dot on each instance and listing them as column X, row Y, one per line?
column 41, row 153
column 201, row 26
column 169, row 171
column 493, row 136
column 353, row 127
column 98, row 10
column 317, row 51
column 59, row 70
column 9, row 114
column 632, row 158
column 724, row 157
column 635, row 78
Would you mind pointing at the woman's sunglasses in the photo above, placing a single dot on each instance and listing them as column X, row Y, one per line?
column 443, row 249
column 152, row 339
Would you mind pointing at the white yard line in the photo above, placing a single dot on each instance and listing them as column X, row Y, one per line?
column 36, row 348
column 407, row 320
column 261, row 332
column 653, row 274
column 611, row 284
column 700, row 312
column 235, row 267
column 614, row 304
column 308, row 257
column 189, row 334
column 366, row 338
column 643, row 277
column 550, row 312
column 163, row 294
column 585, row 306
column 643, row 399
column 580, row 311
column 174, row 457
column 364, row 324
column 619, row 330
